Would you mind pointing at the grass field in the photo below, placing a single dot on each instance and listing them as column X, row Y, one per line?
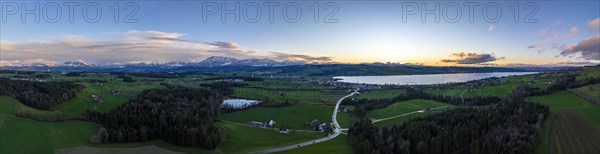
column 557, row 134
column 383, row 93
column 240, row 139
column 83, row 100
column 405, row 107
column 20, row 135
column 571, row 133
column 339, row 145
column 593, row 91
column 399, row 120
column 542, row 145
column 244, row 139
column 300, row 96
column 592, row 115
column 498, row 87
column 346, row 119
column 294, row 116
column 561, row 100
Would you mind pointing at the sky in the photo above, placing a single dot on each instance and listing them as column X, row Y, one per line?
column 440, row 33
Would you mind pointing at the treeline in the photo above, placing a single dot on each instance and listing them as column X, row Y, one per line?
column 364, row 105
column 40, row 95
column 245, row 78
column 46, row 116
column 567, row 81
column 511, row 126
column 178, row 115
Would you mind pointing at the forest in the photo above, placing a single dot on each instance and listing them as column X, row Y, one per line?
column 41, row 95
column 364, row 105
column 509, row 125
column 178, row 115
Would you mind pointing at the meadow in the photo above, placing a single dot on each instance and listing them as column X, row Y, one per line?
column 561, row 100
column 338, row 145
column 20, row 135
column 380, row 93
column 294, row 116
column 571, row 122
column 405, row 107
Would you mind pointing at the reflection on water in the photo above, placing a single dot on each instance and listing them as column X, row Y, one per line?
column 425, row 79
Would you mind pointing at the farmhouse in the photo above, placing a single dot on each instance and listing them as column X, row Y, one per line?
column 270, row 123
column 281, row 93
column 343, row 109
column 97, row 99
column 283, row 130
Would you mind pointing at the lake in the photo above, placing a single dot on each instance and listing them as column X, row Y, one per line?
column 425, row 79
column 239, row 103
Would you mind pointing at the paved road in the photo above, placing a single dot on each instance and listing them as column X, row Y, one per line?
column 337, row 131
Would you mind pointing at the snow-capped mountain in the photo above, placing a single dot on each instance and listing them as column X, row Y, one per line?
column 216, row 61
column 78, row 63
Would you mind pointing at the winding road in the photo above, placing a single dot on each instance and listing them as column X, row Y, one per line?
column 336, row 131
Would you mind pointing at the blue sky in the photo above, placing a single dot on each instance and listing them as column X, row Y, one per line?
column 365, row 32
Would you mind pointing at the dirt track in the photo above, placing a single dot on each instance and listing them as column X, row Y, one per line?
column 572, row 133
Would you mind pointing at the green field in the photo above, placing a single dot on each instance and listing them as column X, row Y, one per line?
column 346, row 119
column 339, row 145
column 558, row 135
column 561, row 100
column 294, row 96
column 244, row 139
column 498, row 87
column 571, row 133
column 294, row 116
column 240, row 139
column 593, row 90
column 405, row 107
column 20, row 135
column 400, row 120
column 83, row 100
column 383, row 93
column 592, row 114
column 540, row 147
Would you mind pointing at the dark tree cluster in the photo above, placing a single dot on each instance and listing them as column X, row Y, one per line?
column 158, row 75
column 364, row 105
column 245, row 78
column 74, row 74
column 126, row 78
column 178, row 115
column 41, row 95
column 512, row 126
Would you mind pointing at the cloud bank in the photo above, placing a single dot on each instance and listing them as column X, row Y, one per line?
column 130, row 47
column 588, row 49
column 471, row 58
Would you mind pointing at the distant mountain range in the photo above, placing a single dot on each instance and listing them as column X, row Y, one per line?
column 266, row 66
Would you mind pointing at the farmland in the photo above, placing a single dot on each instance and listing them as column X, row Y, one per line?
column 20, row 135
column 378, row 94
column 294, row 117
column 307, row 100
column 571, row 133
column 405, row 107
column 561, row 100
column 571, row 122
column 338, row 145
